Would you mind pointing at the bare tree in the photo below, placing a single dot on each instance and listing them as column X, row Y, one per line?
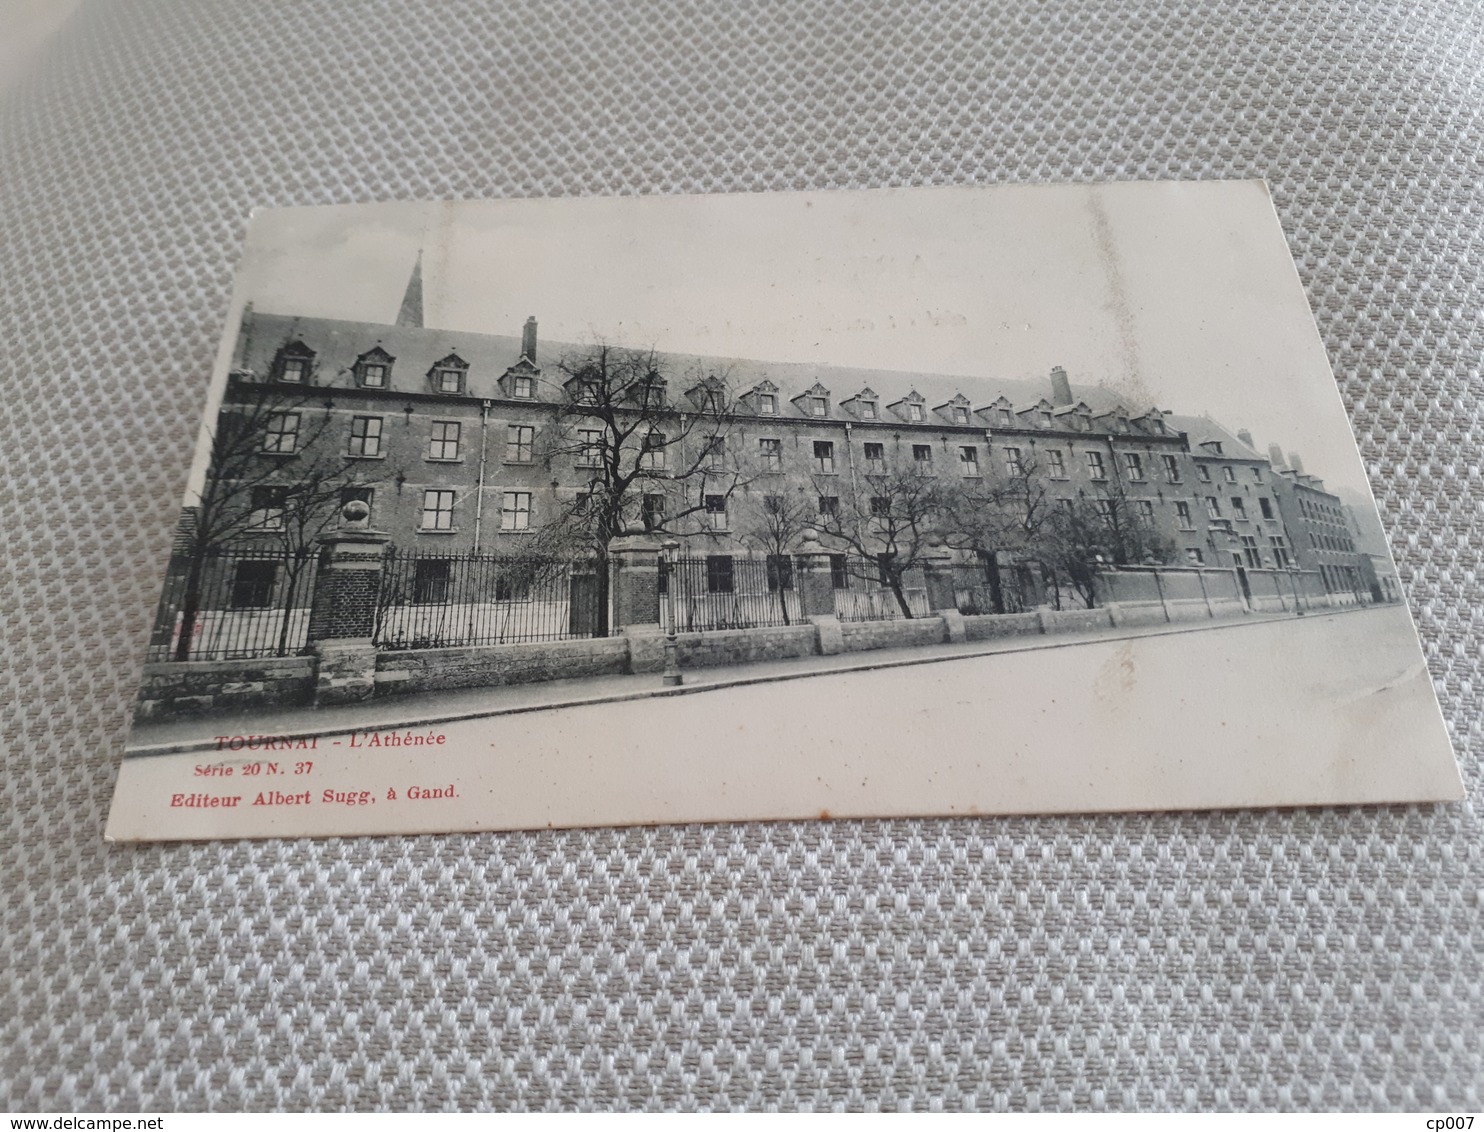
column 269, row 478
column 775, row 524
column 1002, row 514
column 1097, row 530
column 895, row 517
column 655, row 444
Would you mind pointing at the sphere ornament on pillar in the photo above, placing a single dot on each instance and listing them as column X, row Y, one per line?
column 356, row 514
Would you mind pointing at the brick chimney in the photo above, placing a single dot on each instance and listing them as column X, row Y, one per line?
column 528, row 340
column 1246, row 438
column 1296, row 463
column 1061, row 388
column 1275, row 456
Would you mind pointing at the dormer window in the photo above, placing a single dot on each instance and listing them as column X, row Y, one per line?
column 960, row 415
column 1043, row 418
column 294, row 364
column 447, row 375
column 767, row 404
column 523, row 387
column 819, row 406
column 1006, row 417
column 914, row 411
column 868, row 411
column 373, row 369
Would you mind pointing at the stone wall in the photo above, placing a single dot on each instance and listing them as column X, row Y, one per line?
column 988, row 627
column 729, row 646
column 487, row 666
column 1076, row 620
column 862, row 635
column 174, row 690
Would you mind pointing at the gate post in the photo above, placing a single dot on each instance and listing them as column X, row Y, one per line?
column 816, row 584
column 635, row 559
column 342, row 616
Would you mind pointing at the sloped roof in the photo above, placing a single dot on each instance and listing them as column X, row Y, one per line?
column 338, row 343
column 1199, row 430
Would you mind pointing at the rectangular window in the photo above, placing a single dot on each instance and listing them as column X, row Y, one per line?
column 449, row 380
column 818, row 406
column 716, row 451
column 1229, row 473
column 780, row 573
column 652, row 508
column 1104, row 509
column 824, row 456
column 1266, row 507
column 1095, row 467
column 880, row 506
column 1056, row 463
column 430, row 581
column 1006, row 418
column 1213, row 507
column 1182, row 515
column 268, row 505
column 589, row 447
column 922, row 459
column 1239, row 508
column 914, row 412
column 652, row 456
column 444, row 444
column 437, row 510
column 839, row 579
column 960, row 415
column 1249, row 548
column 829, row 504
column 1256, row 474
column 252, row 584
column 968, row 460
column 1144, row 508
column 1280, row 551
column 524, row 388
column 868, row 410
column 773, row 505
column 512, row 589
column 1194, row 556
column 293, row 370
column 519, row 441
column 767, row 404
column 1204, row 472
column 771, row 451
column 373, row 375
column 875, row 458
column 282, row 433
column 365, row 436
column 716, row 512
column 515, row 511
column 719, row 574
column 1172, row 468
column 1045, row 418
column 1133, row 465
column 1013, row 465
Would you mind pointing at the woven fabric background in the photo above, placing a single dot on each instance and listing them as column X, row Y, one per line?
column 1304, row 959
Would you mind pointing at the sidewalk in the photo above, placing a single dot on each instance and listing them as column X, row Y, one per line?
column 431, row 708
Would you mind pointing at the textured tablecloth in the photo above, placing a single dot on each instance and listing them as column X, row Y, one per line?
column 1306, row 959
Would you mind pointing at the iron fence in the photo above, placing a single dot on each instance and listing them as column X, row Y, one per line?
column 863, row 591
column 437, row 601
column 729, row 591
column 229, row 604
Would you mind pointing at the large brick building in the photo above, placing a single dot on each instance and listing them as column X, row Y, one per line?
column 455, row 442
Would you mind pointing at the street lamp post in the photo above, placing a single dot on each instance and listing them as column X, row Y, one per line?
column 672, row 677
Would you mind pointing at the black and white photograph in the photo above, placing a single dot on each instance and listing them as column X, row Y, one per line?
column 902, row 502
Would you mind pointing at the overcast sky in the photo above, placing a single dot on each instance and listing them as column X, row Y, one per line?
column 1182, row 295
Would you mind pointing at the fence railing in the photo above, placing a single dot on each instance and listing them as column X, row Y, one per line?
column 863, row 593
column 241, row 604
column 438, row 601
column 729, row 591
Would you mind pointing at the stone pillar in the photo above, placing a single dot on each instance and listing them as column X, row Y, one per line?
column 937, row 573
column 634, row 558
column 815, row 582
column 343, row 616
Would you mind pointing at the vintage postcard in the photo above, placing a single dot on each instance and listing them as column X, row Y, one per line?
column 532, row 513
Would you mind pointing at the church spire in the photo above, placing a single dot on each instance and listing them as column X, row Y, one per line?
column 411, row 313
